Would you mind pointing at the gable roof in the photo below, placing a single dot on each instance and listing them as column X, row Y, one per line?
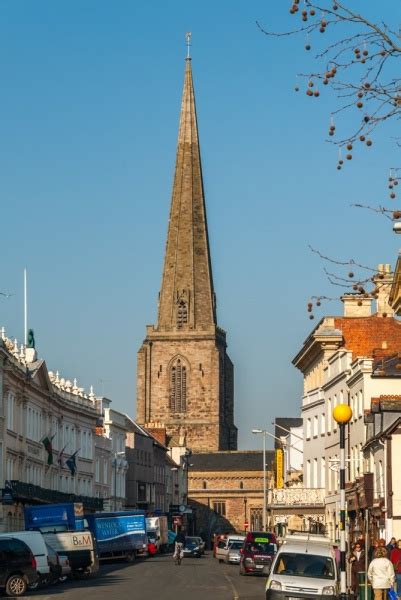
column 39, row 374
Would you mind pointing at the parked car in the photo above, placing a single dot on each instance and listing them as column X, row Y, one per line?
column 59, row 565
column 233, row 553
column 65, row 566
column 191, row 547
column 54, row 564
column 36, row 543
column 201, row 544
column 222, row 545
column 17, row 566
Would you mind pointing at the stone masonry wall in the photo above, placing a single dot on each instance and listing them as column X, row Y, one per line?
column 240, row 491
column 205, row 410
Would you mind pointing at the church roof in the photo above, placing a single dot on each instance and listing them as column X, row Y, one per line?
column 187, row 283
column 238, row 460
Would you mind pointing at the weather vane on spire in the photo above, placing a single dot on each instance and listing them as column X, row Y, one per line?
column 188, row 36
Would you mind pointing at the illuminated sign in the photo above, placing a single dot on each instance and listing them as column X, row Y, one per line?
column 279, row 468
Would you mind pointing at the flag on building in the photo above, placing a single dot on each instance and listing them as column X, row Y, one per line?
column 72, row 463
column 47, row 442
column 60, row 458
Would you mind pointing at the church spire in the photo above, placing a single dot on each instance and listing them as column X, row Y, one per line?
column 187, row 296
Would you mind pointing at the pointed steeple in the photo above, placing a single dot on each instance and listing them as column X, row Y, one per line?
column 187, row 297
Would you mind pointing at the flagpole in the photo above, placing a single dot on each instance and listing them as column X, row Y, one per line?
column 25, row 309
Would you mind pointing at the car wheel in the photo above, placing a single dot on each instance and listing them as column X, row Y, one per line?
column 16, row 585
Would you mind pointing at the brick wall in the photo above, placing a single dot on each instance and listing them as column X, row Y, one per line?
column 240, row 491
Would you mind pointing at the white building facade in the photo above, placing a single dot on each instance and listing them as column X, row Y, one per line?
column 337, row 361
column 35, row 404
column 116, row 427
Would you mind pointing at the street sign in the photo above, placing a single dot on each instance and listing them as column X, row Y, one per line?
column 246, row 525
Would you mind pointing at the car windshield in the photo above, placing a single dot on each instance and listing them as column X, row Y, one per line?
column 235, row 545
column 304, row 565
column 190, row 541
column 261, row 547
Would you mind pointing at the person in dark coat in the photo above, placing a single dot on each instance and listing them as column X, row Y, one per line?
column 391, row 545
column 372, row 550
column 357, row 561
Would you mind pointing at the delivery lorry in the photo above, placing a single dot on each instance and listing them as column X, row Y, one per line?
column 67, row 516
column 157, row 532
column 119, row 534
column 63, row 528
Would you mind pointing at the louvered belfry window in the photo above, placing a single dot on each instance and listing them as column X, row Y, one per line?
column 178, row 387
column 182, row 314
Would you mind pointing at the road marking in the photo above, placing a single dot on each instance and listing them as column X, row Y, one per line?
column 233, row 588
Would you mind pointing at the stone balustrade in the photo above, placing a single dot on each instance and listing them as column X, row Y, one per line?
column 296, row 496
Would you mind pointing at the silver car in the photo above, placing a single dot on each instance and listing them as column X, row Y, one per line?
column 233, row 554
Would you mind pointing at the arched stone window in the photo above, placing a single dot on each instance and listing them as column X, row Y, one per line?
column 178, row 386
column 182, row 314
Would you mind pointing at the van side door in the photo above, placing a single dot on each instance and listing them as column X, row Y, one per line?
column 221, row 549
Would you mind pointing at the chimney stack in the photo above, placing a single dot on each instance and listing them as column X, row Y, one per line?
column 383, row 281
column 356, row 305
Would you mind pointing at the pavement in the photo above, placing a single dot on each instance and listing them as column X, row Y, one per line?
column 158, row 578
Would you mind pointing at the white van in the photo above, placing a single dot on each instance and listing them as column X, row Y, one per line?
column 304, row 567
column 36, row 543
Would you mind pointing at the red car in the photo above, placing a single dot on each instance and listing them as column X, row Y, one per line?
column 257, row 553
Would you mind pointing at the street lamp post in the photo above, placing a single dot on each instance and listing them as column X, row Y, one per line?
column 116, row 455
column 342, row 414
column 263, row 432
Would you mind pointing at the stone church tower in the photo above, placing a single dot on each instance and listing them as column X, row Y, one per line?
column 185, row 380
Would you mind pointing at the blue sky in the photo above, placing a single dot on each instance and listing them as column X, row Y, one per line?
column 90, row 104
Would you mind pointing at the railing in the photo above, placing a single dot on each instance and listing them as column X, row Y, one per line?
column 295, row 496
column 35, row 493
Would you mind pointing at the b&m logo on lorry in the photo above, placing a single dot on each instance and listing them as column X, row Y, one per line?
column 82, row 540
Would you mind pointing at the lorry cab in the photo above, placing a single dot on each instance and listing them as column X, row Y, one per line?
column 304, row 567
column 257, row 553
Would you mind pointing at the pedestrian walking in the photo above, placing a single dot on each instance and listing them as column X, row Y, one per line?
column 361, row 541
column 357, row 562
column 372, row 550
column 391, row 545
column 179, row 547
column 381, row 574
column 395, row 558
